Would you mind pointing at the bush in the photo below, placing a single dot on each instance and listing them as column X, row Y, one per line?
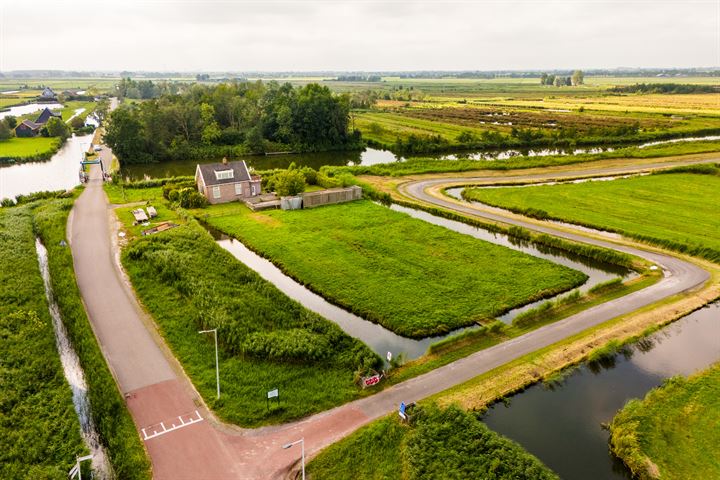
column 311, row 176
column 289, row 183
column 190, row 198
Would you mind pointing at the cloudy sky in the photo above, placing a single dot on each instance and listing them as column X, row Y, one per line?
column 311, row 35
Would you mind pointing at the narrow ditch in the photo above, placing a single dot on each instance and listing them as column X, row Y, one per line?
column 74, row 375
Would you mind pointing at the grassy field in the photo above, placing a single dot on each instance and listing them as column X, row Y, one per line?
column 267, row 341
column 677, row 210
column 19, row 148
column 673, row 433
column 39, row 430
column 412, row 277
column 440, row 443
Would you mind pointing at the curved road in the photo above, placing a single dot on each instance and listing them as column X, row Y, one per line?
column 181, row 436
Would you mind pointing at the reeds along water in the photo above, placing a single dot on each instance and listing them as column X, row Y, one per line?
column 74, row 374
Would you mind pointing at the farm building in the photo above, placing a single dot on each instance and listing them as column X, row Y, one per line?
column 47, row 94
column 27, row 128
column 46, row 115
column 226, row 181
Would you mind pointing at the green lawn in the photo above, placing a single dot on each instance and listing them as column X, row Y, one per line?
column 39, row 430
column 267, row 341
column 19, row 148
column 440, row 443
column 674, row 433
column 678, row 210
column 414, row 278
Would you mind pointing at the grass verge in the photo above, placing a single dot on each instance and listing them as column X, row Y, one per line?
column 673, row 432
column 438, row 443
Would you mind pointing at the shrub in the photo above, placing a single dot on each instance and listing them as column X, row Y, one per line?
column 190, row 198
column 289, row 183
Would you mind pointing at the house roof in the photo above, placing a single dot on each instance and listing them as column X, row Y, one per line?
column 46, row 115
column 239, row 169
column 30, row 124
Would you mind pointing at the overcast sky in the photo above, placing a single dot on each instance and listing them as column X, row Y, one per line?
column 300, row 35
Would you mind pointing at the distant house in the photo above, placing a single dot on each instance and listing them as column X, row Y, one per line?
column 48, row 94
column 226, row 181
column 46, row 115
column 27, row 128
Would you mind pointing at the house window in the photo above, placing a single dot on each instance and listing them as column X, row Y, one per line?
column 252, row 190
column 238, row 189
column 216, row 192
column 224, row 174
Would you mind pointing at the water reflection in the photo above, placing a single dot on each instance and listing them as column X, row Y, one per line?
column 563, row 425
column 58, row 173
column 30, row 108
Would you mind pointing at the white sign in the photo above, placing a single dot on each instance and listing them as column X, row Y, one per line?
column 273, row 393
column 389, row 357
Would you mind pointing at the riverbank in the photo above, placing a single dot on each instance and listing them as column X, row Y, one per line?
column 672, row 433
column 414, row 278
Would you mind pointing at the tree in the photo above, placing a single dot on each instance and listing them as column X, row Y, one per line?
column 11, row 121
column 543, row 79
column 77, row 122
column 550, row 80
column 559, row 81
column 211, row 130
column 578, row 77
column 57, row 128
column 124, row 136
column 289, row 183
column 5, row 131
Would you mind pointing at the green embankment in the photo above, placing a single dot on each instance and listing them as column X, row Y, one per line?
column 39, row 430
column 267, row 341
column 672, row 434
column 112, row 418
column 679, row 211
column 440, row 443
column 412, row 277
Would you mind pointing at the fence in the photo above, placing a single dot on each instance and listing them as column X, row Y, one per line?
column 333, row 195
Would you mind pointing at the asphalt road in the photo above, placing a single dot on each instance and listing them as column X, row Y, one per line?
column 183, row 439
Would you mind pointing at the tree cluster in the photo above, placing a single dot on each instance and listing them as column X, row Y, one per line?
column 667, row 88
column 577, row 78
column 230, row 120
column 145, row 89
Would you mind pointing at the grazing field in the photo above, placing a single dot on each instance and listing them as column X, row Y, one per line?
column 440, row 443
column 36, row 147
column 673, row 432
column 676, row 210
column 267, row 341
column 39, row 430
column 412, row 277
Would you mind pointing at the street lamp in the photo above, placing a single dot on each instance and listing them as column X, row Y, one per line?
column 217, row 363
column 302, row 447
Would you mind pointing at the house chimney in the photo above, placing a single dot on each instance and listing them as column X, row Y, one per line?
column 224, row 160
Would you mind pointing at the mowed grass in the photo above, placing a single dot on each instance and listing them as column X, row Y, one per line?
column 27, row 147
column 678, row 210
column 673, row 433
column 412, row 277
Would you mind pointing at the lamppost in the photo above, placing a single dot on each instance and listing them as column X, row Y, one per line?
column 302, row 450
column 217, row 363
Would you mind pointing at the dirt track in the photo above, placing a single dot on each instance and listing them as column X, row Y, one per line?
column 183, row 440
